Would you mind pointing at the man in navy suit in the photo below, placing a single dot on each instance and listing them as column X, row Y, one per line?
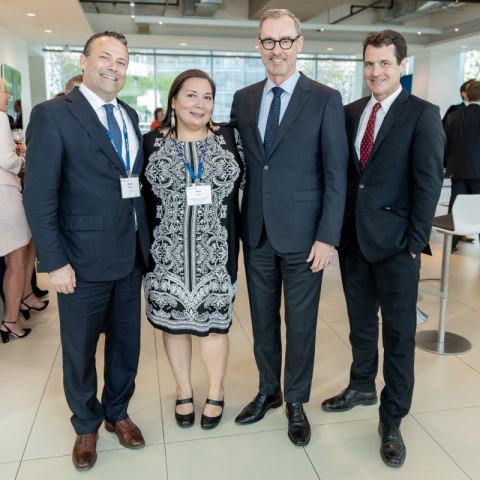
column 394, row 180
column 87, row 217
column 462, row 150
column 293, row 134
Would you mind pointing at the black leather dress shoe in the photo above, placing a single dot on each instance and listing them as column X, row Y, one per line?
column 392, row 449
column 348, row 399
column 258, row 407
column 298, row 426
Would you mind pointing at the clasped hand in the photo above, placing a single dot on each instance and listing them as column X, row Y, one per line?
column 64, row 279
column 321, row 255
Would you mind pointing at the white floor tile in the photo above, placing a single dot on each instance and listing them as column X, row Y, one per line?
column 267, row 455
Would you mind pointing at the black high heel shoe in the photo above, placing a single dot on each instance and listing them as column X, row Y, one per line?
column 6, row 334
column 207, row 423
column 184, row 420
column 26, row 312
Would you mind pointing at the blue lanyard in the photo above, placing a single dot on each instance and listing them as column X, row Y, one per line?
column 126, row 162
column 181, row 153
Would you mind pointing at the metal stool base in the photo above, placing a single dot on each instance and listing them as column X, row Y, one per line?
column 453, row 345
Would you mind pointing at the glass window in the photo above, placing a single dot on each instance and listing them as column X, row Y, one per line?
column 152, row 71
column 472, row 64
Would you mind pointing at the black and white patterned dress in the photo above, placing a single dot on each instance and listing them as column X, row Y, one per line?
column 191, row 284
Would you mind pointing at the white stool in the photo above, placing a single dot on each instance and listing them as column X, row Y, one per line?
column 464, row 220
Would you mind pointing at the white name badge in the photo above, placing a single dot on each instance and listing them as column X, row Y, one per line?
column 199, row 195
column 130, row 187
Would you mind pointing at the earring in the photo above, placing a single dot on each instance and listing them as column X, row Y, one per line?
column 172, row 119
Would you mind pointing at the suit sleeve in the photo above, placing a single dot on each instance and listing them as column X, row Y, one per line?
column 42, row 184
column 334, row 149
column 233, row 112
column 427, row 160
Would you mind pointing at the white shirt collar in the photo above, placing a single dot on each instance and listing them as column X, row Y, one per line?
column 93, row 99
column 386, row 102
column 287, row 85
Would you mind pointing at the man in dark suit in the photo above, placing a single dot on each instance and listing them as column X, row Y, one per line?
column 87, row 217
column 295, row 147
column 462, row 150
column 459, row 106
column 394, row 180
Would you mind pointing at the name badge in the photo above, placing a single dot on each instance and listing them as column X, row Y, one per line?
column 130, row 187
column 199, row 195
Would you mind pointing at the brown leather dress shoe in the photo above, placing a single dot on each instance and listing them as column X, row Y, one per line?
column 84, row 454
column 127, row 432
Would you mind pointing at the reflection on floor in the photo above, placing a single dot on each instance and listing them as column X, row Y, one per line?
column 441, row 432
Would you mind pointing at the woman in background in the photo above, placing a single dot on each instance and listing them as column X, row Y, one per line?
column 192, row 178
column 15, row 238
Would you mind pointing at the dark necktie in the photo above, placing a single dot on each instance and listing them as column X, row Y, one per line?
column 272, row 120
column 114, row 129
column 368, row 137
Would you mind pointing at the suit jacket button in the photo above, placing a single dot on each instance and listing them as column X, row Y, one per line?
column 361, row 186
column 266, row 167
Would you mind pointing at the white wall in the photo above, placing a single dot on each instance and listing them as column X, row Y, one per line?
column 37, row 72
column 13, row 52
column 438, row 75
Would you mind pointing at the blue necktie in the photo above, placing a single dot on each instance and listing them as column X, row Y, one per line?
column 272, row 120
column 114, row 129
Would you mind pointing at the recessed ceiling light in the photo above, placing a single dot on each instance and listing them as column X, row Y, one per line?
column 31, row 14
column 47, row 30
column 132, row 16
column 183, row 44
column 160, row 23
column 456, row 29
column 132, row 4
column 322, row 29
column 419, row 33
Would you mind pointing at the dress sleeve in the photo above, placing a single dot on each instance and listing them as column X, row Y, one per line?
column 238, row 143
column 9, row 160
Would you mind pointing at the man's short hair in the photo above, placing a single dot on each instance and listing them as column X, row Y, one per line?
column 385, row 38
column 463, row 87
column 73, row 82
column 473, row 91
column 118, row 36
column 277, row 13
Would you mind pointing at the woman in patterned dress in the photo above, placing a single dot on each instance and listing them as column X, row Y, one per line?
column 191, row 183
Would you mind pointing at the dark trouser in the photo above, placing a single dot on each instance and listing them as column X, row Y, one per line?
column 115, row 306
column 462, row 187
column 266, row 269
column 2, row 274
column 392, row 285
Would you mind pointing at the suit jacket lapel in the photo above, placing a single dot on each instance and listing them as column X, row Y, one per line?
column 298, row 100
column 88, row 119
column 137, row 166
column 388, row 123
column 255, row 101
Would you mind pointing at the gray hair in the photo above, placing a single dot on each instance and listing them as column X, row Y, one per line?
column 277, row 13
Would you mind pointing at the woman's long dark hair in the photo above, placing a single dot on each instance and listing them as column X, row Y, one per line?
column 175, row 88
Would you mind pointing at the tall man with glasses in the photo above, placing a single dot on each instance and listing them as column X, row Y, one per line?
column 295, row 146
column 89, row 224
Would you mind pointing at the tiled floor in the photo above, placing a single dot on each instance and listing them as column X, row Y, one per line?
column 441, row 432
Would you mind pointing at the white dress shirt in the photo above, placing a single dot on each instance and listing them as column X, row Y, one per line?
column 120, row 116
column 381, row 113
column 288, row 86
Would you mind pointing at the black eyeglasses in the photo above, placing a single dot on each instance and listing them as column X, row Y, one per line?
column 285, row 43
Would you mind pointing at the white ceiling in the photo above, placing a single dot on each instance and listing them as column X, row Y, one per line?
column 235, row 24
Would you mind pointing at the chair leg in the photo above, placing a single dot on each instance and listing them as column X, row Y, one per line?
column 444, row 283
column 440, row 341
